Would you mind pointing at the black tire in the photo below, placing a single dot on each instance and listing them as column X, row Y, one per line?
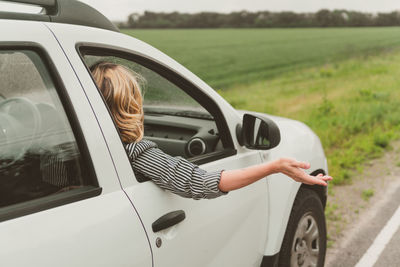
column 306, row 212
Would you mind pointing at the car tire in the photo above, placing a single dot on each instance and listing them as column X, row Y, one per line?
column 304, row 243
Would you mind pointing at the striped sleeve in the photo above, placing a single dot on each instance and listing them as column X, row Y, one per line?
column 174, row 174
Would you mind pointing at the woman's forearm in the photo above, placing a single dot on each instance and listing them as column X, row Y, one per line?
column 235, row 179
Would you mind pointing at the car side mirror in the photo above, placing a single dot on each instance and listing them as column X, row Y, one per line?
column 258, row 132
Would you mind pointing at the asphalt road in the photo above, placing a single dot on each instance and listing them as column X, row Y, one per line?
column 391, row 255
column 375, row 239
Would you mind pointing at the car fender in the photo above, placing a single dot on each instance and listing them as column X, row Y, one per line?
column 299, row 142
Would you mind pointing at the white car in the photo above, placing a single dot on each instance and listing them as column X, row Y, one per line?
column 68, row 194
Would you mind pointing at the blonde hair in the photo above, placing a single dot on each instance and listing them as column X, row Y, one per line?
column 122, row 93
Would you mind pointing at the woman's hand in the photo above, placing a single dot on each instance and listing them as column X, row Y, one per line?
column 235, row 179
column 294, row 169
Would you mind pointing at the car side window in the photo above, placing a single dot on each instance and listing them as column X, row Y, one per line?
column 178, row 123
column 39, row 154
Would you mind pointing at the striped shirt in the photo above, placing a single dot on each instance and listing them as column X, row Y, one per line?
column 174, row 174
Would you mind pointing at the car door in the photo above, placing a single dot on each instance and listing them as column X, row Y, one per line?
column 227, row 231
column 61, row 203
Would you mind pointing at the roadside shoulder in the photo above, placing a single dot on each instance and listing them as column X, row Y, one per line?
column 358, row 211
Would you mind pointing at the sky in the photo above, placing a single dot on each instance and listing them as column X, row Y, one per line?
column 118, row 10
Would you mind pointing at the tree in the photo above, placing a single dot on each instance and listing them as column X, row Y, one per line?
column 262, row 19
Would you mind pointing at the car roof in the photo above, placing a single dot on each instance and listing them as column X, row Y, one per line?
column 62, row 11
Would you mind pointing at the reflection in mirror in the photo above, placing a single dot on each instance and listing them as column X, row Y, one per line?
column 259, row 137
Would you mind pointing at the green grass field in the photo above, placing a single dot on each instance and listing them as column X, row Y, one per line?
column 226, row 57
column 353, row 106
column 343, row 83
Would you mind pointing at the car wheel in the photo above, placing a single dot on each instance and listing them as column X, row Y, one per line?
column 304, row 243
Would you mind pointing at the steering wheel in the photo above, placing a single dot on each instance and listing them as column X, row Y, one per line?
column 22, row 122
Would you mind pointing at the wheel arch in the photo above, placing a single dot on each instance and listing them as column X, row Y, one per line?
column 282, row 194
column 320, row 190
column 272, row 258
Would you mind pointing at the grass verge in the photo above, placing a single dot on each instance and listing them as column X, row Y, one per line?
column 352, row 105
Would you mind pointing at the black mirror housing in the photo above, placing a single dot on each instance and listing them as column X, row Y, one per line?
column 258, row 132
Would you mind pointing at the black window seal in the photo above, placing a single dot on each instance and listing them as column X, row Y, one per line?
column 76, row 129
column 48, row 202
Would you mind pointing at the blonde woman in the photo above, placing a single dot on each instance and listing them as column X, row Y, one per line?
column 123, row 96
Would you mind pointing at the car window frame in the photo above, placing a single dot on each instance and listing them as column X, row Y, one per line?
column 97, row 49
column 62, row 198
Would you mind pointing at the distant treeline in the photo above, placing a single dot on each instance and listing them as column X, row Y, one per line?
column 262, row 19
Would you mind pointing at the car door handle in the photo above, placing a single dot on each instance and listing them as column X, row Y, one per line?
column 168, row 220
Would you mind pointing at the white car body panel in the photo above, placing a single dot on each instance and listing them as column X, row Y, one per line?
column 283, row 190
column 80, row 233
column 84, row 233
column 216, row 233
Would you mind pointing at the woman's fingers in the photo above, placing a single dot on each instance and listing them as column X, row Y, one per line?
column 327, row 178
column 319, row 179
column 320, row 182
column 302, row 165
column 324, row 177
